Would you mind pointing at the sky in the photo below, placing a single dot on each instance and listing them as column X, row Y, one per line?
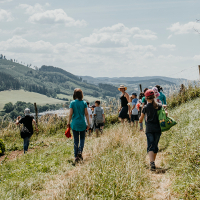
column 112, row 38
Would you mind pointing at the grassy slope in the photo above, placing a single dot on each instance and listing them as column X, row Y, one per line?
column 115, row 164
column 21, row 95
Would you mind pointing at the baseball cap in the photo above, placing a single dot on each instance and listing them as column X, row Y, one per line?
column 149, row 93
column 134, row 94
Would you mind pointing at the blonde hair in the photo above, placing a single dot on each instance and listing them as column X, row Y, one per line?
column 152, row 97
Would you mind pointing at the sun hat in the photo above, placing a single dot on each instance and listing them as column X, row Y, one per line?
column 149, row 93
column 122, row 87
column 27, row 111
column 134, row 94
column 155, row 89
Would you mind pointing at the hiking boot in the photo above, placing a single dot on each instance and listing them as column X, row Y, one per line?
column 80, row 155
column 76, row 160
column 152, row 166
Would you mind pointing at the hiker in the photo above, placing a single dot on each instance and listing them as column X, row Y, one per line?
column 78, row 112
column 134, row 111
column 140, row 109
column 153, row 130
column 92, row 108
column 27, row 129
column 157, row 94
column 125, row 108
column 99, row 118
column 144, row 101
column 162, row 97
column 90, row 118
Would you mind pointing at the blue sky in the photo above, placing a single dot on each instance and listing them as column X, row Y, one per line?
column 104, row 38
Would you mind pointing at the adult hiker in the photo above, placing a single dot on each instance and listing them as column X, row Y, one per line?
column 124, row 110
column 27, row 129
column 162, row 97
column 140, row 109
column 78, row 112
column 153, row 130
column 90, row 118
column 157, row 94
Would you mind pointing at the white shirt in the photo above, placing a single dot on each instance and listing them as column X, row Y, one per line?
column 89, row 114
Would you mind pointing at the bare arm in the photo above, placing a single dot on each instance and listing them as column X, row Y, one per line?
column 34, row 122
column 70, row 116
column 141, row 118
column 87, row 117
column 103, row 118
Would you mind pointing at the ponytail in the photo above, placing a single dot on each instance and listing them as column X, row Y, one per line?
column 152, row 97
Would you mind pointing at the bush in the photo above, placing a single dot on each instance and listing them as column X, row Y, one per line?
column 2, row 147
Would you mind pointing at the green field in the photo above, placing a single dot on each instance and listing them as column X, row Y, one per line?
column 21, row 95
column 70, row 97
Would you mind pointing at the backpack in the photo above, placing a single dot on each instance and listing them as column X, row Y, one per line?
column 99, row 117
column 24, row 132
column 165, row 122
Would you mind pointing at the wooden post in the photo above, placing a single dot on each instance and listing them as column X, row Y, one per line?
column 140, row 87
column 36, row 113
column 199, row 72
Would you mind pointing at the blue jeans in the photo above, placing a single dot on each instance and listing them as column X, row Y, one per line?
column 78, row 147
column 26, row 143
column 152, row 141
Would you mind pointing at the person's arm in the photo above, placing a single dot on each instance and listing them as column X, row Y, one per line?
column 141, row 118
column 34, row 122
column 164, row 100
column 18, row 119
column 87, row 117
column 128, row 99
column 70, row 117
column 104, row 120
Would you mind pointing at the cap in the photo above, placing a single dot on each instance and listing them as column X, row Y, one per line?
column 149, row 93
column 134, row 94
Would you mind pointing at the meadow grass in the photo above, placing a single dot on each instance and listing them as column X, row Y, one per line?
column 182, row 144
column 21, row 95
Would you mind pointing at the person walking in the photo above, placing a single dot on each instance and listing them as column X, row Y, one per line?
column 99, row 118
column 90, row 118
column 134, row 111
column 153, row 130
column 78, row 112
column 140, row 109
column 27, row 129
column 162, row 97
column 124, row 110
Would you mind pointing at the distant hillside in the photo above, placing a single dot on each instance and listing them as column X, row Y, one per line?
column 133, row 82
column 48, row 80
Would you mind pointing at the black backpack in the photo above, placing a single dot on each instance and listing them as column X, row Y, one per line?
column 25, row 132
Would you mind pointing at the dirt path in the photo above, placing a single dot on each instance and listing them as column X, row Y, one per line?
column 161, row 180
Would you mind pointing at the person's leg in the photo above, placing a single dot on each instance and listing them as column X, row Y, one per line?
column 82, row 141
column 97, row 132
column 136, row 124
column 26, row 144
column 156, row 138
column 151, row 156
column 76, row 142
column 141, row 126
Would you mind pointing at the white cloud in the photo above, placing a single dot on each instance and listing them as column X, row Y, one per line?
column 20, row 45
column 57, row 16
column 5, row 1
column 5, row 15
column 168, row 46
column 189, row 27
column 31, row 9
column 117, row 35
column 169, row 36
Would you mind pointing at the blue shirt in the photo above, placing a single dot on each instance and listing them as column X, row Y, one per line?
column 162, row 97
column 78, row 117
column 134, row 103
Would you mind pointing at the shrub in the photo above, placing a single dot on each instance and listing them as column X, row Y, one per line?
column 2, row 147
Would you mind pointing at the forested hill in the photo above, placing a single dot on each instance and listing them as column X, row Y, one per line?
column 48, row 80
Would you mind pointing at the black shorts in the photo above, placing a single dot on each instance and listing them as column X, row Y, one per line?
column 134, row 118
column 98, row 126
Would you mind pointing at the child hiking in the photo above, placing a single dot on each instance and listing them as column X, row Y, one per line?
column 153, row 130
column 27, row 129
column 134, row 111
column 78, row 112
column 99, row 118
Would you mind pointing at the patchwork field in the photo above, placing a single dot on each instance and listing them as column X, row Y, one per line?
column 21, row 95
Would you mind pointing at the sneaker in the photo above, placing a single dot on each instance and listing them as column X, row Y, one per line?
column 80, row 155
column 152, row 166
